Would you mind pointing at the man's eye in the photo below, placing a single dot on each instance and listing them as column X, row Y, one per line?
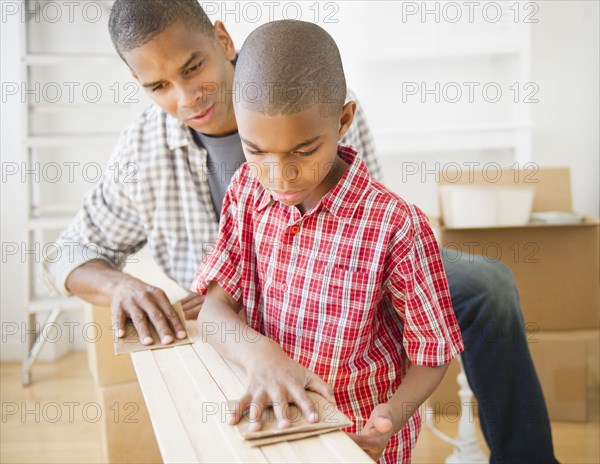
column 158, row 87
column 194, row 68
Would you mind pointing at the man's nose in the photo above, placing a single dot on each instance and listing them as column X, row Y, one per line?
column 188, row 95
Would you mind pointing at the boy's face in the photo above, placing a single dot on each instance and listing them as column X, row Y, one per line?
column 187, row 74
column 296, row 154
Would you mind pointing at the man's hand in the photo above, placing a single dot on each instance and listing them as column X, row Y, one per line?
column 144, row 304
column 377, row 432
column 192, row 304
column 274, row 379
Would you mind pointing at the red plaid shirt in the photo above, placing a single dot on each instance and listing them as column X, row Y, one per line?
column 354, row 290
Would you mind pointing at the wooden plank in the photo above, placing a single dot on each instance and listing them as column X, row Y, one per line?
column 344, row 447
column 167, row 425
column 231, row 386
column 282, row 452
column 191, row 405
column 214, row 403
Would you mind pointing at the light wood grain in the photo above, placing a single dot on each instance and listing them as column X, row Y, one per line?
column 68, row 380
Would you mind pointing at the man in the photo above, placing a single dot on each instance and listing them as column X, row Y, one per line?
column 186, row 149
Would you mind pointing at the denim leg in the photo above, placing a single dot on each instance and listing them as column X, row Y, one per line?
column 496, row 360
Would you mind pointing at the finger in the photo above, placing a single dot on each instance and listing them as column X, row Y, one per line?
column 159, row 321
column 119, row 318
column 365, row 444
column 281, row 411
column 138, row 317
column 173, row 318
column 240, row 407
column 195, row 300
column 382, row 424
column 307, row 406
column 255, row 413
column 187, row 298
column 318, row 385
column 192, row 313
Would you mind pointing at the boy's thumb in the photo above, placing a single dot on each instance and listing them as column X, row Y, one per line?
column 382, row 423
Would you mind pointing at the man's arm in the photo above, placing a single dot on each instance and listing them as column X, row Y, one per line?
column 94, row 248
column 360, row 137
column 272, row 378
column 97, row 282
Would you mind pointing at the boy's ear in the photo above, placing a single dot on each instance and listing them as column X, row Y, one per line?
column 346, row 118
column 224, row 40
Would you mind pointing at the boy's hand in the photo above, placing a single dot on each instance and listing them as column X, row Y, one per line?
column 377, row 432
column 274, row 379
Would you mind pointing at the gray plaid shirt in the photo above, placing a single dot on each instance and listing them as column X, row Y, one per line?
column 155, row 192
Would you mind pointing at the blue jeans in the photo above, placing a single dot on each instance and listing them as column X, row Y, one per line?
column 496, row 360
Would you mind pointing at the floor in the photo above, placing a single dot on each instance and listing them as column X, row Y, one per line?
column 55, row 420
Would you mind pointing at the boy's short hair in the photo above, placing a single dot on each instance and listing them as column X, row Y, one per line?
column 133, row 23
column 286, row 66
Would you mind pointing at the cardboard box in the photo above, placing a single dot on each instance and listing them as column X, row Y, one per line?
column 127, row 435
column 106, row 368
column 567, row 364
column 563, row 361
column 556, row 267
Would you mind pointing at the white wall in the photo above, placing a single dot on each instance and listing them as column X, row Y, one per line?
column 565, row 57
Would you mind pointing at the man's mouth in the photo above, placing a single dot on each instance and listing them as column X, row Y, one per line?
column 203, row 116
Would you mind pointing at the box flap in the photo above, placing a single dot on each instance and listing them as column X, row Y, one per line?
column 552, row 185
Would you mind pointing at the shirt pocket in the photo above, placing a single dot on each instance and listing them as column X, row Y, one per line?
column 351, row 297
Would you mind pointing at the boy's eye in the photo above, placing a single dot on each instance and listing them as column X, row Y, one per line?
column 306, row 153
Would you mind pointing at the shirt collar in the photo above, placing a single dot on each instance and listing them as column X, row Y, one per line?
column 178, row 134
column 343, row 199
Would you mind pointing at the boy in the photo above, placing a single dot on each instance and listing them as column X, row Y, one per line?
column 340, row 272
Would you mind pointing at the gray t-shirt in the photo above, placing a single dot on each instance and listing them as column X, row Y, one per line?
column 225, row 155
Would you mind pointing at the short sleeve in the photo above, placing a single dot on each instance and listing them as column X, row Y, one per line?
column 418, row 289
column 222, row 263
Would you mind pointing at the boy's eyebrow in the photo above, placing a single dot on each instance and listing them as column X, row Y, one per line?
column 192, row 57
column 294, row 148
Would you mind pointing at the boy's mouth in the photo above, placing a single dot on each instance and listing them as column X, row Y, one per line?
column 287, row 195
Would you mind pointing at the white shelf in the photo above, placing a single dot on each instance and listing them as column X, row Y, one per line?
column 471, row 137
column 49, row 223
column 66, row 140
column 47, row 304
column 425, row 55
column 53, row 108
column 55, row 59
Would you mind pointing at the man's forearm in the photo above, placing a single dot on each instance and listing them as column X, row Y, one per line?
column 95, row 282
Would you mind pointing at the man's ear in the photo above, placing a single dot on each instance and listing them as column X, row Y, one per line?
column 346, row 118
column 134, row 76
column 224, row 40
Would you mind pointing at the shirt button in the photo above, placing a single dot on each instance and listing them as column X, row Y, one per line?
column 295, row 229
column 284, row 287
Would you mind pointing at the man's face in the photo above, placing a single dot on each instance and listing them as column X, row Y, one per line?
column 295, row 156
column 189, row 75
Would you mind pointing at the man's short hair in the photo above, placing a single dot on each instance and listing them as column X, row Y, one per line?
column 286, row 66
column 133, row 23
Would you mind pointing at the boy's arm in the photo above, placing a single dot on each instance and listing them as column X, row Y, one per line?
column 388, row 418
column 272, row 378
